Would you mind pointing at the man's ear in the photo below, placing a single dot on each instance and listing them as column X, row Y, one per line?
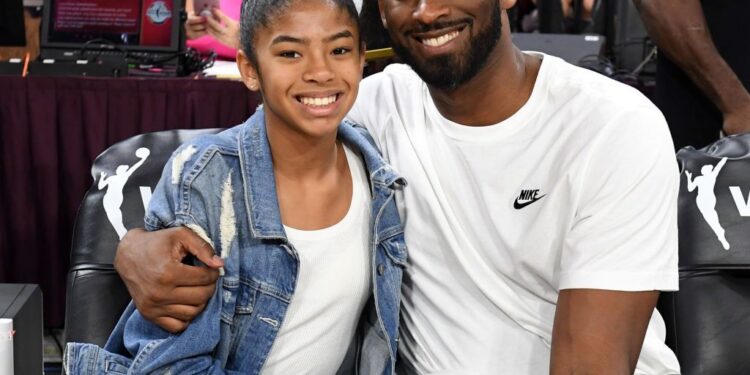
column 248, row 71
column 382, row 14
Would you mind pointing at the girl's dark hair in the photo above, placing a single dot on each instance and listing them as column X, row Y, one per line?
column 261, row 13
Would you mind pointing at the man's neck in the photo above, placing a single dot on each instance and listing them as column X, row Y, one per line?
column 498, row 91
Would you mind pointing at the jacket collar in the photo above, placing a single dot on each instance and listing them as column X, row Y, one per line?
column 257, row 172
column 380, row 173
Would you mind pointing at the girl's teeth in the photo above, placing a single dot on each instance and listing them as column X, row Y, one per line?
column 318, row 102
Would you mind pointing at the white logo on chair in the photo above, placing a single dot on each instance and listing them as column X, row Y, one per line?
column 113, row 197
column 706, row 198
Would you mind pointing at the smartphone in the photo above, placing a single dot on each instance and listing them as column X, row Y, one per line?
column 203, row 7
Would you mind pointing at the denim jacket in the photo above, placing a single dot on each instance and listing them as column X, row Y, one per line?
column 223, row 187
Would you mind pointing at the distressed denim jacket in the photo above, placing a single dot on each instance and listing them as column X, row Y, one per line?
column 223, row 187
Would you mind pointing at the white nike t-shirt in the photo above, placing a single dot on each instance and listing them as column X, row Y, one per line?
column 333, row 286
column 578, row 189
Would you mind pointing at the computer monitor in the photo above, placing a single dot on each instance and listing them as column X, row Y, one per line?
column 72, row 28
column 12, row 29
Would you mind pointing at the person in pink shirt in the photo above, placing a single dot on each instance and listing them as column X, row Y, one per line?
column 219, row 33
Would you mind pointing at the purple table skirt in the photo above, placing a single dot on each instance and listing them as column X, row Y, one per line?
column 52, row 129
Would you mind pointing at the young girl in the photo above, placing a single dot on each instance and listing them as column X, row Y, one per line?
column 299, row 205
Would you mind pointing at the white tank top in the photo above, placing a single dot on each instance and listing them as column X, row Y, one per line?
column 332, row 288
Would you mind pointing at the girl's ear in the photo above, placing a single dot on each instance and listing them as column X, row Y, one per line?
column 248, row 71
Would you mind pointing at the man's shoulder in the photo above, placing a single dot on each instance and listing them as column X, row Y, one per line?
column 576, row 83
column 395, row 78
column 396, row 91
column 588, row 111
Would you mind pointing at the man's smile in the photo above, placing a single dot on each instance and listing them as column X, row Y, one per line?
column 441, row 40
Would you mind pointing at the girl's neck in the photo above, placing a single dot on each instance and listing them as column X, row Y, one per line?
column 300, row 157
column 313, row 182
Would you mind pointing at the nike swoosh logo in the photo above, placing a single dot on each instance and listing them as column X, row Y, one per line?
column 519, row 206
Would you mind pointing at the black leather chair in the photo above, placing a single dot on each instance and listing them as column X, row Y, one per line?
column 708, row 320
column 124, row 177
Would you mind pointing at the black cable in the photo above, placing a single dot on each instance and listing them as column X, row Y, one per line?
column 598, row 64
column 85, row 47
column 190, row 59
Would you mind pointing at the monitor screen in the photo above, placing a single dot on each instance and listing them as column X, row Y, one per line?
column 12, row 30
column 128, row 24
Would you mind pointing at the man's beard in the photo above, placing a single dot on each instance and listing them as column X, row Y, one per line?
column 451, row 71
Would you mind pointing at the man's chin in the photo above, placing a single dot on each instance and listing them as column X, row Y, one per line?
column 442, row 71
column 439, row 72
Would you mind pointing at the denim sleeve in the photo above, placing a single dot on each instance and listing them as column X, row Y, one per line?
column 168, row 206
column 154, row 350
column 190, row 352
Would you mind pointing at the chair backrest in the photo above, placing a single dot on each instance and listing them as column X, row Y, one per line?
column 124, row 177
column 708, row 320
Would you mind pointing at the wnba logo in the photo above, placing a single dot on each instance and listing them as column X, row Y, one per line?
column 113, row 197
column 706, row 198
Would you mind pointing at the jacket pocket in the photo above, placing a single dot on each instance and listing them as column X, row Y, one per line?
column 230, row 288
column 395, row 248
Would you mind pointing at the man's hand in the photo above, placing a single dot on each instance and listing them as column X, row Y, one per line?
column 599, row 331
column 166, row 291
column 738, row 121
column 223, row 28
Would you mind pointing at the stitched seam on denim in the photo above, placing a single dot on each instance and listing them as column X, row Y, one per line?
column 143, row 355
column 270, row 321
column 393, row 231
column 186, row 181
column 93, row 360
column 244, row 167
column 379, row 215
column 378, row 311
column 395, row 252
column 228, row 309
column 107, row 363
column 247, row 307
column 152, row 222
column 363, row 132
column 264, row 288
column 198, row 167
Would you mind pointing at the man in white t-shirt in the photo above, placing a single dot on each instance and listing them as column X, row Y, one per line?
column 540, row 214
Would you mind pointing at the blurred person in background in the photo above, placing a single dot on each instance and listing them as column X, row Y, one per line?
column 530, row 14
column 703, row 73
column 220, row 32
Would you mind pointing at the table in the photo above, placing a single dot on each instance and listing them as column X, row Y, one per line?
column 52, row 129
column 22, row 303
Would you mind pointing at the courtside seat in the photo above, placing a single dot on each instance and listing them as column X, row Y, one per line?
column 708, row 320
column 124, row 177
